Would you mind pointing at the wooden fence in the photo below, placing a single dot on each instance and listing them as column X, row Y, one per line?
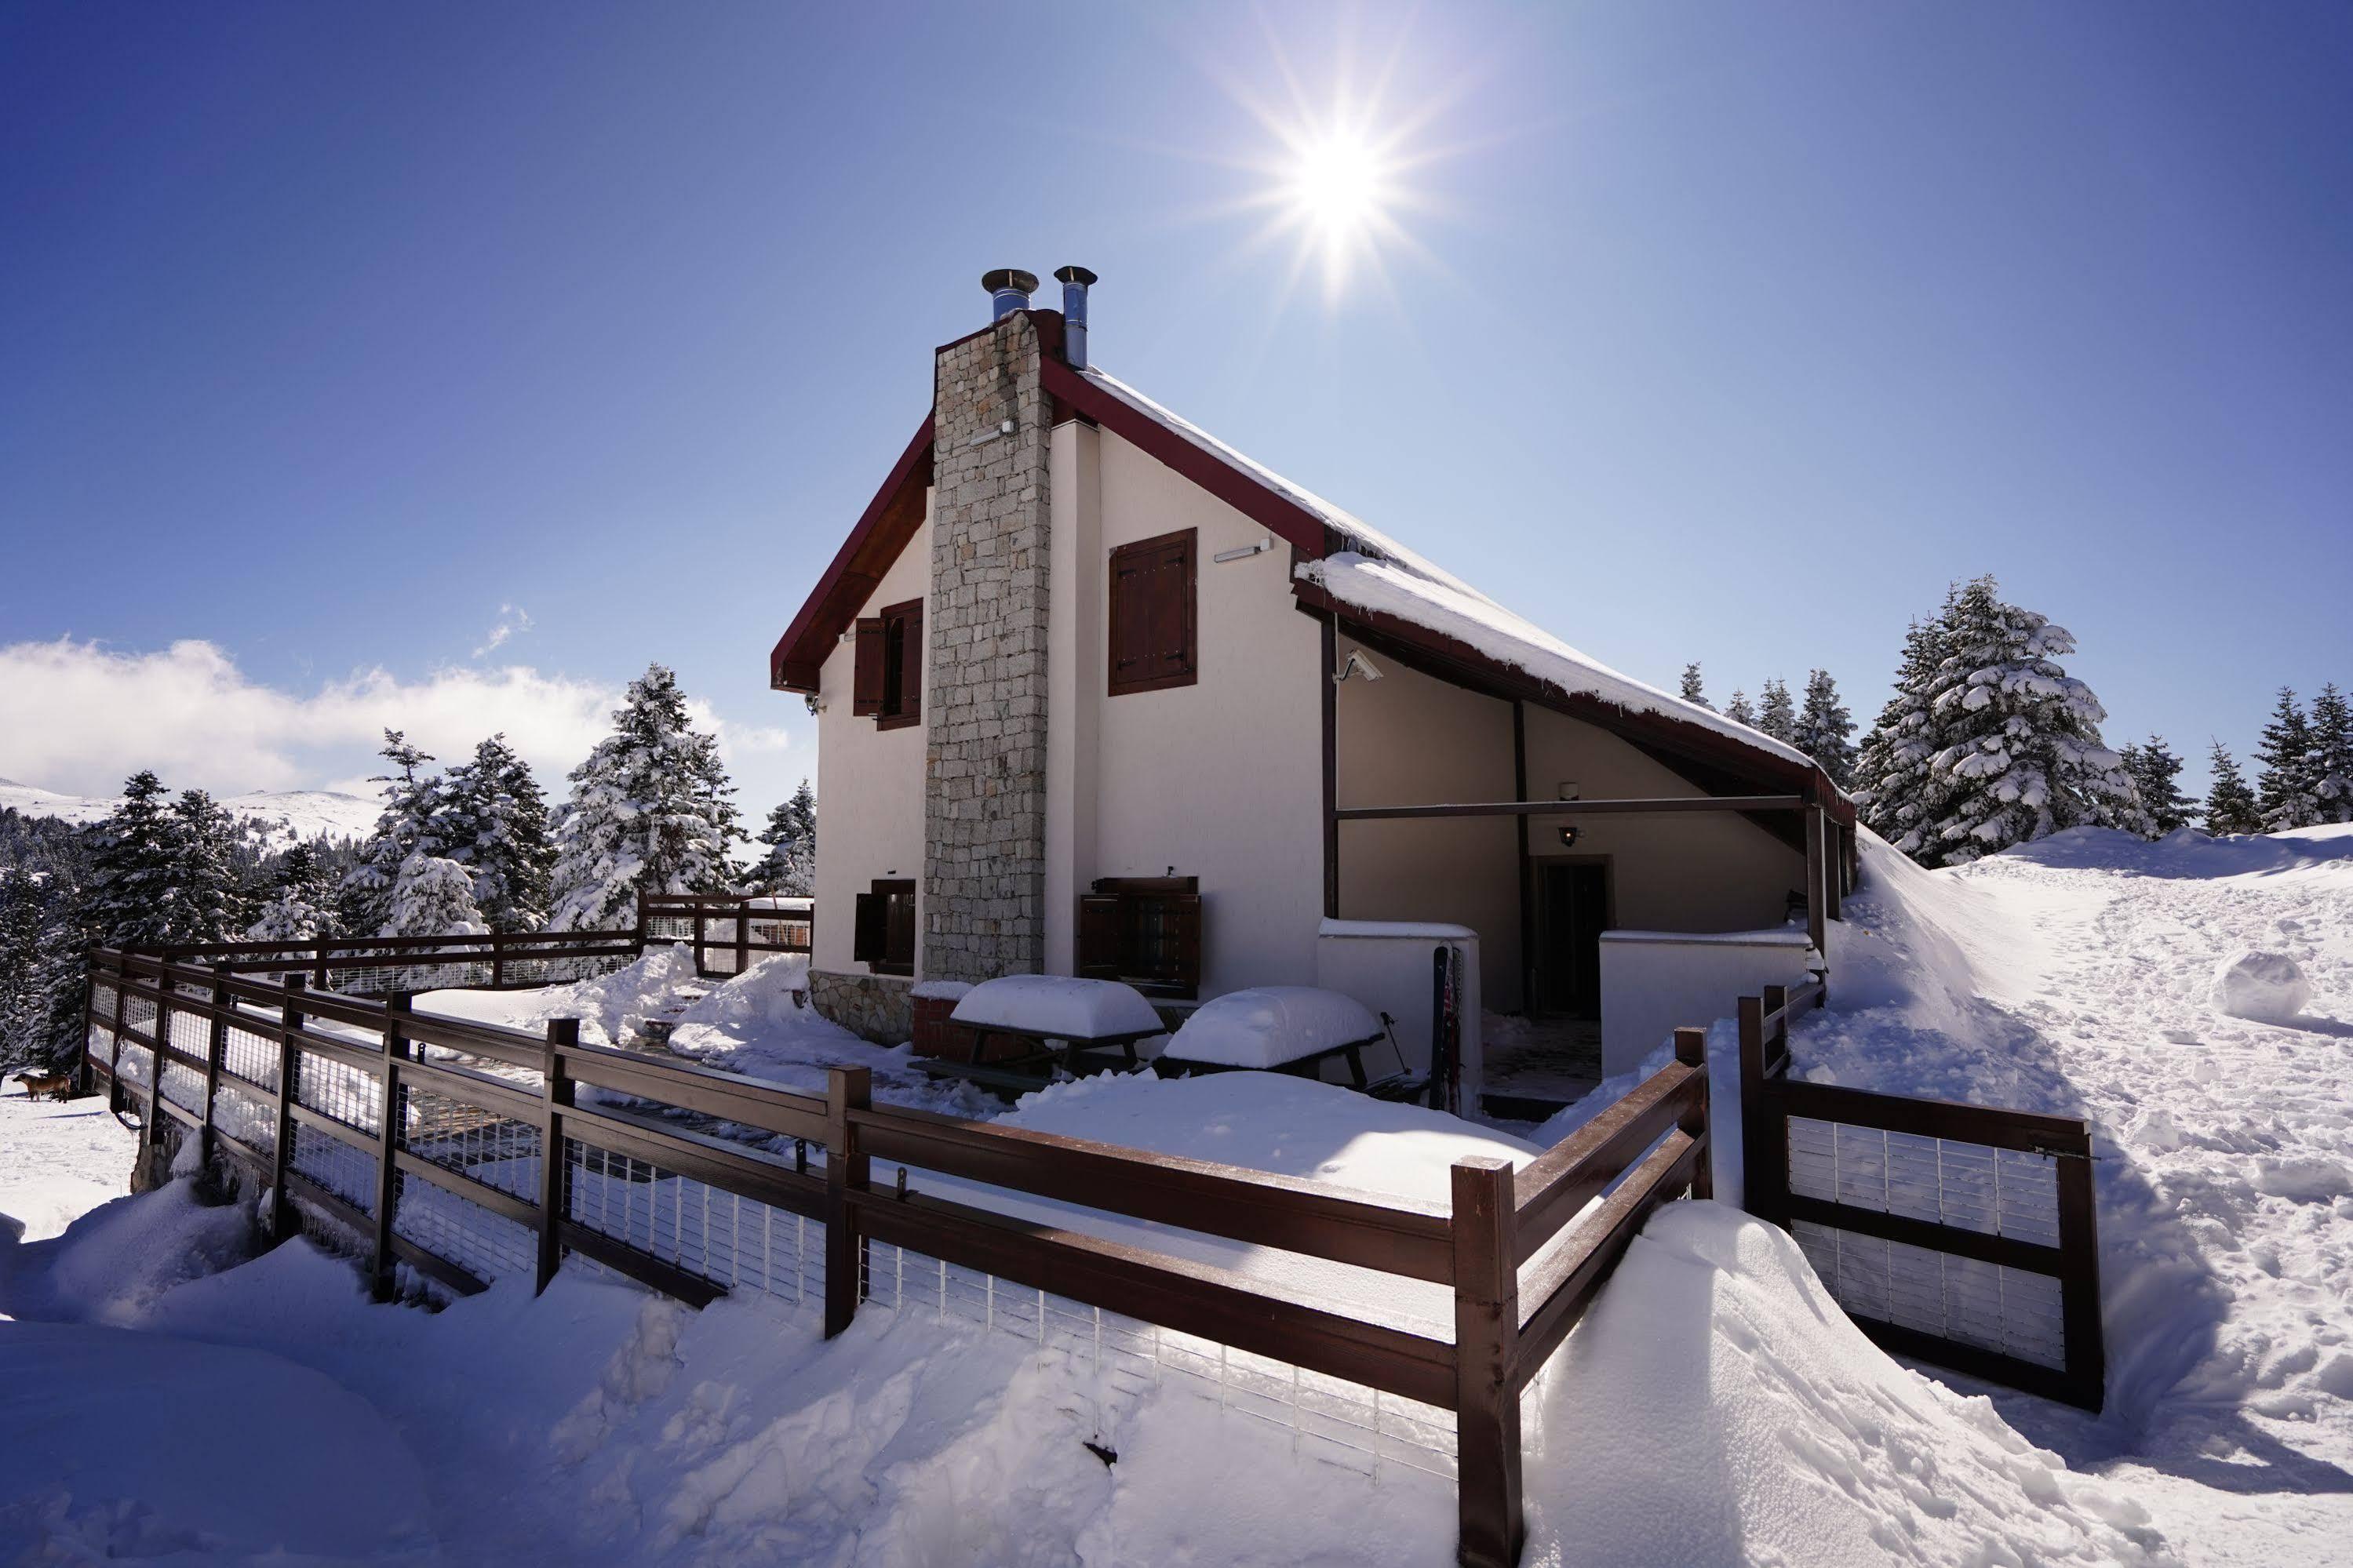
column 726, row 929
column 1959, row 1234
column 336, row 1104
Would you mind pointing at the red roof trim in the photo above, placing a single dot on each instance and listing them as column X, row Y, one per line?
column 882, row 530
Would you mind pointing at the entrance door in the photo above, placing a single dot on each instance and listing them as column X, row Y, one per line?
column 1572, row 908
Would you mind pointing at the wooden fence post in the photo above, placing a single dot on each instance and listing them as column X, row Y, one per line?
column 387, row 1146
column 150, row 1130
column 1691, row 1049
column 114, row 1098
column 215, row 1047
column 743, row 937
column 846, row 1170
column 1756, row 1174
column 1486, row 1329
column 554, row 1197
column 290, row 1085
column 318, row 975
column 497, row 962
column 699, row 959
column 2079, row 1285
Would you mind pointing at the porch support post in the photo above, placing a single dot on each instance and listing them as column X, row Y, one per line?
column 1331, row 709
column 1817, row 882
column 1527, row 869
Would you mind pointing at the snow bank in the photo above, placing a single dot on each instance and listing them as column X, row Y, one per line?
column 770, row 996
column 1058, row 1006
column 610, row 1007
column 2268, row 987
column 111, row 1264
column 1271, row 1024
column 1715, row 1407
column 65, row 1157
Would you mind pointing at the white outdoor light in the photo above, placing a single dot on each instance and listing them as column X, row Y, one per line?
column 1357, row 665
column 1244, row 553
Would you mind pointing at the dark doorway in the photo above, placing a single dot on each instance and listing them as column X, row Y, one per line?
column 1572, row 912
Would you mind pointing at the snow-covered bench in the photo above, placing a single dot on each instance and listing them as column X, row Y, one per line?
column 1275, row 1028
column 1065, row 1018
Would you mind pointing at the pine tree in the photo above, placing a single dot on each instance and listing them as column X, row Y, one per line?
column 301, row 900
column 433, row 896
column 649, row 813
column 1894, row 788
column 1777, row 715
column 132, row 867
column 789, row 867
column 2229, row 804
column 1691, row 691
column 493, row 819
column 2332, row 754
column 1739, row 711
column 1825, row 729
column 2156, row 774
column 21, row 913
column 364, row 902
column 2287, row 789
column 206, row 883
column 2018, row 749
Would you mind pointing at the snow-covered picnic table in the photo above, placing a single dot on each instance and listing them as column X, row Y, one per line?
column 1276, row 1029
column 1052, row 1010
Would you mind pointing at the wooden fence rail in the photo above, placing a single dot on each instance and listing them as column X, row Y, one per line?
column 1523, row 1252
column 1909, row 1206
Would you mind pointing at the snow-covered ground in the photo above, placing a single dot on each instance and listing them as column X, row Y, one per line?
column 2074, row 975
column 288, row 815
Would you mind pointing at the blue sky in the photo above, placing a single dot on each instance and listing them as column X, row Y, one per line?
column 332, row 337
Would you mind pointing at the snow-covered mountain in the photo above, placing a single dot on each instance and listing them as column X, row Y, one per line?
column 286, row 815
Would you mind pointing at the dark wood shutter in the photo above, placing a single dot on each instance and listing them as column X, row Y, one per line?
column 1185, row 921
column 1154, row 632
column 867, row 673
column 869, row 933
column 1099, row 933
column 910, row 661
column 899, row 928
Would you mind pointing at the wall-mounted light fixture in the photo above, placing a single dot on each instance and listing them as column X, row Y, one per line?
column 1568, row 835
column 1357, row 664
column 1244, row 553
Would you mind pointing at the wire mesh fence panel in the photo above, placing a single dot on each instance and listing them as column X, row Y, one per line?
column 2013, row 1311
column 248, row 1118
column 348, row 1172
column 668, row 927
column 1330, row 1418
column 1997, row 1191
column 351, row 1095
column 101, row 999
column 249, row 1054
column 139, row 1013
column 561, row 968
column 184, row 1086
column 99, row 1045
column 707, row 1231
column 384, row 978
column 135, row 1064
column 487, row 1246
column 494, row 1149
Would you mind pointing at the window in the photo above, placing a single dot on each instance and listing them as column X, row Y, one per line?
column 884, row 937
column 1152, row 620
column 886, row 683
column 1145, row 931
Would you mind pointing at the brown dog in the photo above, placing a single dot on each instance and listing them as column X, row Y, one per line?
column 56, row 1085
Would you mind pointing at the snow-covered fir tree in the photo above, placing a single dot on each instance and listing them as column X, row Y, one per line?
column 789, row 867
column 2156, row 774
column 433, row 896
column 493, row 819
column 22, row 907
column 1825, row 729
column 207, row 882
column 2018, row 749
column 2332, row 754
column 133, row 856
column 1894, row 789
column 1777, row 715
column 2229, row 804
column 1739, row 709
column 649, row 813
column 300, row 904
column 2287, row 786
column 1692, row 690
column 364, row 902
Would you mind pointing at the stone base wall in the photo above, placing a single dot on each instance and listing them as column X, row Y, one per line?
column 877, row 1008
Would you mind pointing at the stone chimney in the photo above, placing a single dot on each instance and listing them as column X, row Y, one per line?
column 985, row 694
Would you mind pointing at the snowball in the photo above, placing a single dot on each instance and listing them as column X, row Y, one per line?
column 1271, row 1024
column 1058, row 1006
column 2267, row 987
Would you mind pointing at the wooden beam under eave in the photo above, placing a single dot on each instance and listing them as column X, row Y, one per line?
column 1526, row 808
column 1817, row 881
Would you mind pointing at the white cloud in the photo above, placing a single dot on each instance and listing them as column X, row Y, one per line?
column 513, row 618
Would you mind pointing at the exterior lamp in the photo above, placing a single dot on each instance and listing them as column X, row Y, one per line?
column 1568, row 835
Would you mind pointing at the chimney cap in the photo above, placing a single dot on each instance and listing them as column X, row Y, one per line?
column 1009, row 278
column 1073, row 275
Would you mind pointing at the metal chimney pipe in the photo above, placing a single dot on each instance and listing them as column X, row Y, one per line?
column 1074, row 280
column 1010, row 289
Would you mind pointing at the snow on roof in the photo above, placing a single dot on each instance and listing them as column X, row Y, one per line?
column 1386, row 576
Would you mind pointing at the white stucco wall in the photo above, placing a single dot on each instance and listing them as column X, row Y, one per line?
column 1221, row 780
column 869, row 782
column 1654, row 982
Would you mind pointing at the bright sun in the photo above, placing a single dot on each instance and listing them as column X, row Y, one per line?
column 1338, row 185
column 1336, row 188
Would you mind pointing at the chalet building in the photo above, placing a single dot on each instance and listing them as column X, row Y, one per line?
column 1098, row 695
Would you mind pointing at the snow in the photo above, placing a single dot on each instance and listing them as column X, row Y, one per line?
column 62, row 1158
column 1420, row 931
column 1777, row 936
column 1058, row 1006
column 1271, row 1024
column 2267, row 987
column 294, row 814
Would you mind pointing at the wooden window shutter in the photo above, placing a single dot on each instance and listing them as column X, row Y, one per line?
column 1154, row 627
column 1171, row 596
column 899, row 928
column 1099, row 934
column 1185, row 918
column 867, row 673
column 910, row 665
column 868, row 934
